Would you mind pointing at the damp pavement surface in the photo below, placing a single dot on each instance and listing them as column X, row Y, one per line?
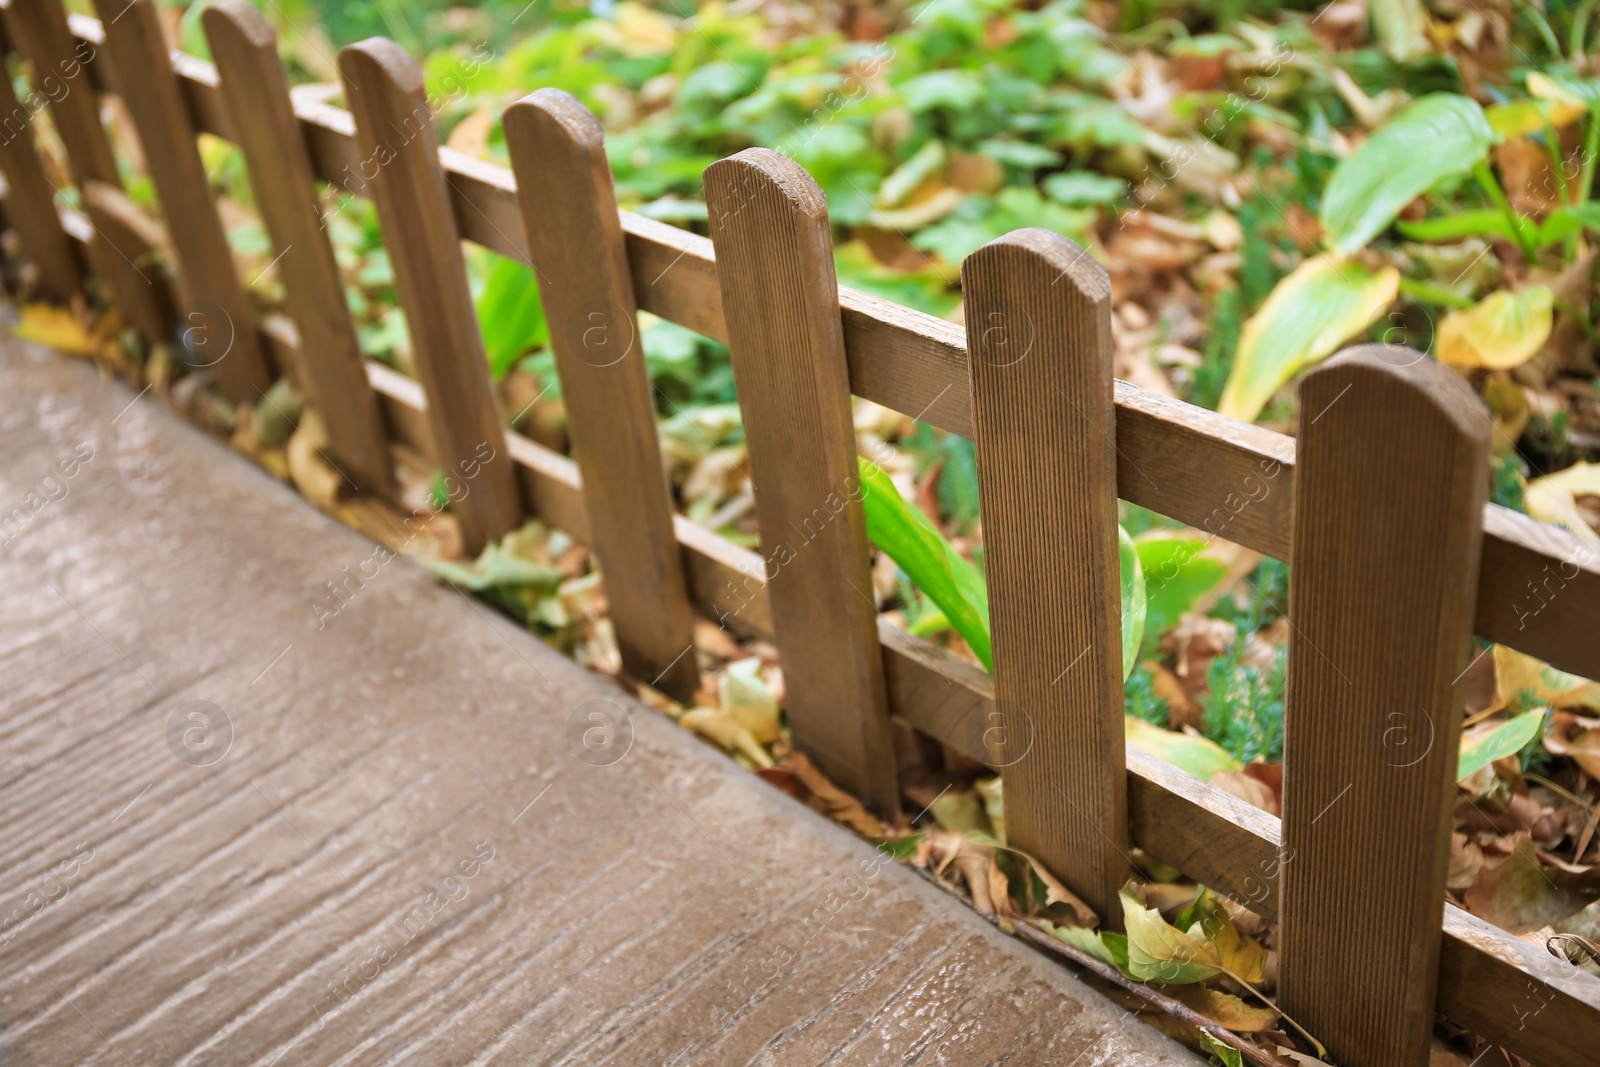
column 414, row 835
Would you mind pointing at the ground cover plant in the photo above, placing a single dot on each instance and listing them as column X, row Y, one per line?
column 1264, row 184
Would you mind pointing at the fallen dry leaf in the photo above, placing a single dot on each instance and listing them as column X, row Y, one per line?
column 1521, row 893
column 1249, row 789
column 832, row 801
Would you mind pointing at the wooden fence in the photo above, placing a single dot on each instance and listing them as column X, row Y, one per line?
column 1379, row 505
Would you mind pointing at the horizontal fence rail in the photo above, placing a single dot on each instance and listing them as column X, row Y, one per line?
column 1227, row 478
column 1537, row 587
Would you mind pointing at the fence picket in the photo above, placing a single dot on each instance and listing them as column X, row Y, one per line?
column 1388, row 522
column 256, row 93
column 124, row 255
column 774, row 251
column 395, row 131
column 575, row 236
column 40, row 30
column 30, row 201
column 218, row 320
column 1038, row 312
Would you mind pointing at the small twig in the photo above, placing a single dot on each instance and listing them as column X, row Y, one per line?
column 1176, row 1008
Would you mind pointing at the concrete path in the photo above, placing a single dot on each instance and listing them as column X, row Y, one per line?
column 229, row 837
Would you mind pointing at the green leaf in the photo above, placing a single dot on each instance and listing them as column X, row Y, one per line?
column 1439, row 136
column 1102, row 945
column 1083, row 188
column 1567, row 220
column 1176, row 575
column 1199, row 756
column 1135, row 604
column 1160, row 952
column 899, row 848
column 1459, row 224
column 511, row 315
column 1309, row 314
column 1499, row 743
column 906, row 535
column 1226, row 1055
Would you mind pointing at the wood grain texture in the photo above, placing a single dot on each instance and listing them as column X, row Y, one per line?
column 665, row 908
column 59, row 61
column 1529, row 1003
column 569, row 210
column 217, row 318
column 127, row 253
column 400, row 164
column 256, row 92
column 1205, row 469
column 1038, row 314
column 30, row 200
column 775, row 264
column 1389, row 512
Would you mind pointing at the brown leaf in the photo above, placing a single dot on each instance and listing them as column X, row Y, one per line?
column 1194, row 642
column 1521, row 893
column 832, row 801
column 1249, row 789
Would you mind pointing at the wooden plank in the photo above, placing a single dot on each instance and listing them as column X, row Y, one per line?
column 256, row 92
column 569, row 209
column 60, row 60
column 126, row 253
column 775, row 254
column 1039, row 323
column 1389, row 513
column 218, row 320
column 396, row 132
column 30, row 198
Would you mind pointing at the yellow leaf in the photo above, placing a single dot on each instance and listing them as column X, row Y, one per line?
column 1243, row 957
column 744, row 696
column 1524, row 118
column 1161, row 952
column 643, row 32
column 1225, row 1009
column 1503, row 331
column 55, row 328
column 1515, row 672
column 1325, row 302
column 1553, row 498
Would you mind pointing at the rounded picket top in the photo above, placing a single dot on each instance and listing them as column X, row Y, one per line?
column 1382, row 382
column 1033, row 251
column 1034, row 290
column 237, row 26
column 760, row 176
column 545, row 115
column 378, row 60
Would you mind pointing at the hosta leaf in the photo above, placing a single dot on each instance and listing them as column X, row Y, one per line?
column 1574, row 92
column 1326, row 301
column 1199, row 756
column 1176, row 575
column 1437, row 137
column 1503, row 331
column 1498, row 743
column 909, row 539
column 1158, row 951
column 511, row 314
column 1134, row 602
